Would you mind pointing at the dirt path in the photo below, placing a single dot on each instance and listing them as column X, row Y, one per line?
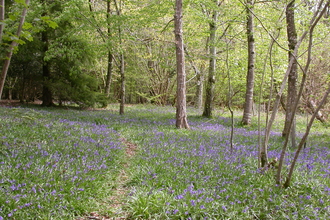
column 120, row 191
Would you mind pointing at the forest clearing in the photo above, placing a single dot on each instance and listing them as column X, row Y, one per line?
column 64, row 163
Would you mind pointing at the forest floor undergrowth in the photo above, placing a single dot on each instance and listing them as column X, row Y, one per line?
column 62, row 163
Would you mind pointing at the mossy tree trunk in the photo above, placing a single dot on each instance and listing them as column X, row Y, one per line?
column 292, row 79
column 208, row 106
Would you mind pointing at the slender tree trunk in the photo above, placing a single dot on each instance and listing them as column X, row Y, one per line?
column 303, row 140
column 199, row 90
column 247, row 114
column 230, row 100
column 47, row 97
column 316, row 18
column 118, row 5
column 181, row 110
column 208, row 106
column 292, row 79
column 122, row 87
column 109, row 74
column 312, row 106
column 313, row 23
column 110, row 56
column 199, row 83
column 11, row 85
column 263, row 149
column 11, row 48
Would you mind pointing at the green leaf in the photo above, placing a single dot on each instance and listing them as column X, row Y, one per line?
column 12, row 17
column 44, row 18
column 27, row 25
column 13, row 38
column 27, row 35
column 50, row 23
column 20, row 1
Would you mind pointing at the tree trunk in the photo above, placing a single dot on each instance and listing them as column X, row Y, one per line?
column 181, row 112
column 122, row 87
column 110, row 56
column 11, row 47
column 109, row 75
column 303, row 140
column 11, row 85
column 312, row 106
column 199, row 90
column 47, row 97
column 199, row 82
column 208, row 106
column 292, row 78
column 247, row 114
column 316, row 18
column 122, row 62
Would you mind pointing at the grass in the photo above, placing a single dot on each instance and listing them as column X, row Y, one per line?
column 62, row 164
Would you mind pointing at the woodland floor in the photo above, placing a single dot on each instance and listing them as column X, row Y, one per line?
column 120, row 191
column 223, row 185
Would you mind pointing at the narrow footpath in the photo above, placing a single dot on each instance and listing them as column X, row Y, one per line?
column 120, row 191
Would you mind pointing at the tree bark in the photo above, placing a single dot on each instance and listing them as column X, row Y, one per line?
column 208, row 106
column 312, row 106
column 199, row 90
column 118, row 7
column 181, row 111
column 109, row 74
column 11, row 48
column 110, row 56
column 122, row 87
column 47, row 97
column 247, row 114
column 292, row 78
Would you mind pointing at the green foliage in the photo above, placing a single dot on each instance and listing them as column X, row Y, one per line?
column 80, row 88
column 49, row 21
column 20, row 2
column 69, row 55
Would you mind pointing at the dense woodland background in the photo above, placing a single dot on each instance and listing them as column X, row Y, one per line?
column 94, row 52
